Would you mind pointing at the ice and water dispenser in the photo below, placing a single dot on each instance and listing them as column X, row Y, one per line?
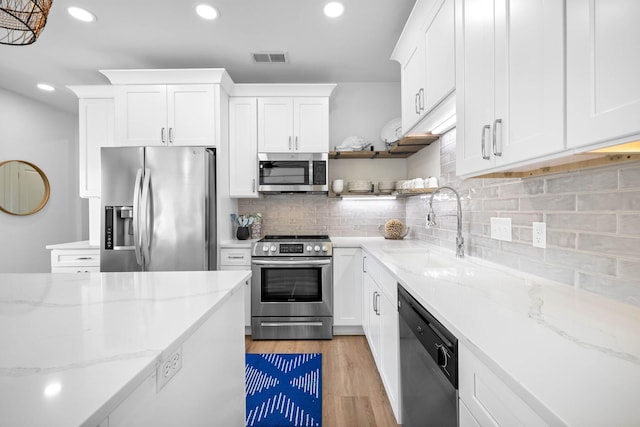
column 118, row 227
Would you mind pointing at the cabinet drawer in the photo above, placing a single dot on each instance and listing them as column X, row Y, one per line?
column 75, row 258
column 78, row 269
column 235, row 257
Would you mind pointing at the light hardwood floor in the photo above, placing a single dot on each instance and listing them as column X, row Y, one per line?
column 352, row 391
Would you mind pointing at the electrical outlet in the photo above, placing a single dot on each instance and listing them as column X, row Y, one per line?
column 539, row 234
column 501, row 229
column 168, row 369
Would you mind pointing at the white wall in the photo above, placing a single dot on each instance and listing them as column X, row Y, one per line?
column 47, row 137
column 362, row 109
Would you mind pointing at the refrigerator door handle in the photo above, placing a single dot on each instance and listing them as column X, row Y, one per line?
column 136, row 217
column 145, row 216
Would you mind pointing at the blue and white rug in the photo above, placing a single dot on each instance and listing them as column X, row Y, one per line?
column 283, row 389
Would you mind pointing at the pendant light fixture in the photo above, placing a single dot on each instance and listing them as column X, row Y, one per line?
column 22, row 21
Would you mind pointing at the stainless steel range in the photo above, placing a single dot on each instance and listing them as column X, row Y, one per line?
column 291, row 288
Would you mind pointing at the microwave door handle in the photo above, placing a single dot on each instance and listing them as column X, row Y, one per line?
column 136, row 217
column 288, row 262
column 145, row 216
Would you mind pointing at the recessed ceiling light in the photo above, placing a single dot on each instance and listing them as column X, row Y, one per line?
column 44, row 86
column 81, row 14
column 334, row 9
column 206, row 12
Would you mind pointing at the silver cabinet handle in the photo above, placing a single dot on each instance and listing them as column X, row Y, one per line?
column 364, row 264
column 378, row 303
column 296, row 143
column 170, row 135
column 84, row 258
column 162, row 135
column 236, row 257
column 253, row 185
column 421, row 98
column 495, row 131
column 484, row 154
column 289, row 143
column 373, row 303
column 416, row 104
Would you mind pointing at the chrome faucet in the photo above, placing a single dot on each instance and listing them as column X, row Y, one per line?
column 431, row 219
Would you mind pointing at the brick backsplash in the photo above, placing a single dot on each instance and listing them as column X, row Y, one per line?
column 592, row 217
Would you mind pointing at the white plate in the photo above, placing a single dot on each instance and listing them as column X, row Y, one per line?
column 392, row 131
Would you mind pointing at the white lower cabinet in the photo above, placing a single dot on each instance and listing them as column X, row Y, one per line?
column 347, row 290
column 239, row 259
column 465, row 418
column 380, row 323
column 486, row 400
column 75, row 260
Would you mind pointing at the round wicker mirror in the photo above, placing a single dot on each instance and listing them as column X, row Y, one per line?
column 24, row 187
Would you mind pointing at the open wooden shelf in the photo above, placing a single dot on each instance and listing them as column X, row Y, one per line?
column 400, row 150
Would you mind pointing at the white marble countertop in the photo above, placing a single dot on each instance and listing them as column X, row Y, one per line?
column 572, row 355
column 83, row 244
column 75, row 345
column 237, row 244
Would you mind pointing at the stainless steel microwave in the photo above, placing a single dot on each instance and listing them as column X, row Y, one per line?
column 293, row 172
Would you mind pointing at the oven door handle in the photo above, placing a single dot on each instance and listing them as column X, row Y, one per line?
column 291, row 263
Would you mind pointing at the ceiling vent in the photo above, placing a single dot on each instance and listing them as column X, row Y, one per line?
column 270, row 58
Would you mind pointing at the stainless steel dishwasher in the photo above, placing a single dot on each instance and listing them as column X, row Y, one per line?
column 428, row 365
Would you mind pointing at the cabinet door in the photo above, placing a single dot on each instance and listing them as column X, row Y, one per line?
column 243, row 147
column 347, row 286
column 389, row 347
column 412, row 86
column 275, row 125
column 191, row 115
column 489, row 400
column 603, row 88
column 141, row 115
column 509, row 82
column 440, row 61
column 311, row 125
column 474, row 84
column 529, row 80
column 96, row 118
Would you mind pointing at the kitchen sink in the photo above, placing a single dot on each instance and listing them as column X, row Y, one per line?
column 418, row 258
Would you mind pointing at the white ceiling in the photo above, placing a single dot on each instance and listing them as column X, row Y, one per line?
column 168, row 34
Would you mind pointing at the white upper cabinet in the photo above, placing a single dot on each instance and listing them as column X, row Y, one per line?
column 412, row 85
column 293, row 124
column 440, row 56
column 149, row 115
column 243, row 147
column 603, row 59
column 96, row 111
column 509, row 83
column 426, row 53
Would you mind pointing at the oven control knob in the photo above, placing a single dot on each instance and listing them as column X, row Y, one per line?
column 273, row 248
column 309, row 248
column 316, row 248
column 324, row 248
column 265, row 248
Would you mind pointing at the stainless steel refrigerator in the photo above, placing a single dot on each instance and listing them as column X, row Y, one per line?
column 158, row 209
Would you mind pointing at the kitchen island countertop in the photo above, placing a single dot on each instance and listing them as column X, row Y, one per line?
column 572, row 355
column 74, row 346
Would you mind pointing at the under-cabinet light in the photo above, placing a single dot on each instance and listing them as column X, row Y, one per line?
column 368, row 197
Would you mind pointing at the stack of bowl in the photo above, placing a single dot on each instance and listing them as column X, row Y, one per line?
column 386, row 186
column 359, row 186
